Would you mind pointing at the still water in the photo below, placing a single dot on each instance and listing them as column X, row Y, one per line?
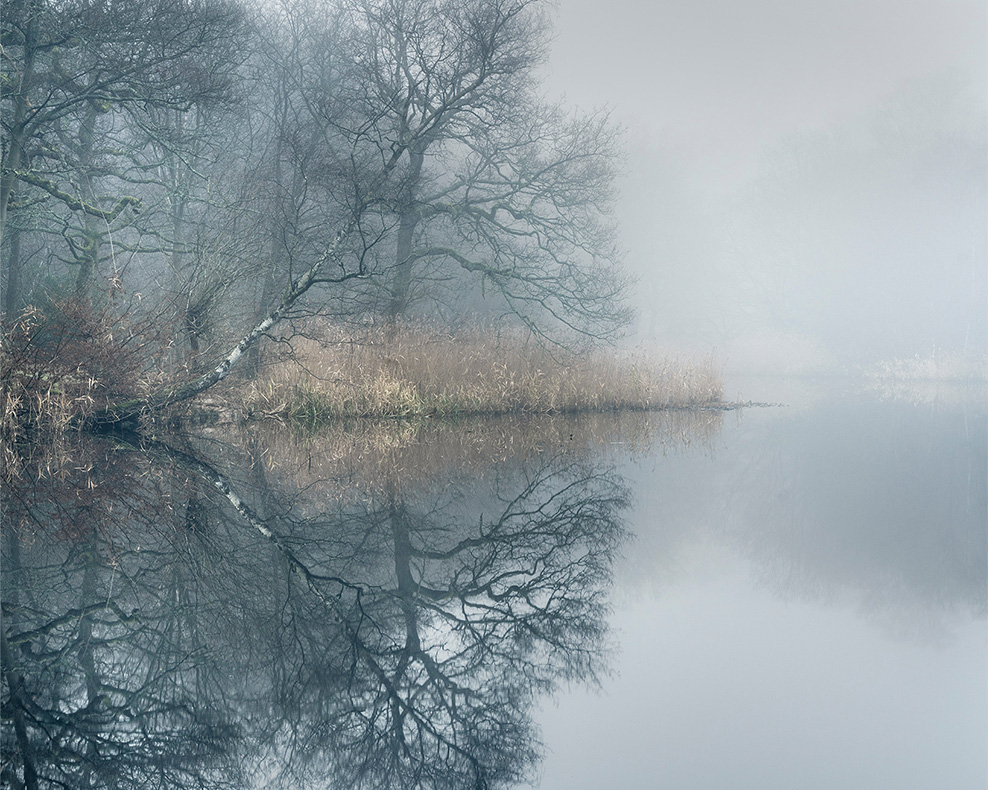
column 802, row 605
column 780, row 597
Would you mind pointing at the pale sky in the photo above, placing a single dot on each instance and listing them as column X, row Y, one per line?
column 723, row 77
column 711, row 91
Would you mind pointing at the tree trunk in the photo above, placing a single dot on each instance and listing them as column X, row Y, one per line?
column 408, row 221
column 280, row 205
column 18, row 123
column 182, row 289
column 88, row 261
column 12, row 287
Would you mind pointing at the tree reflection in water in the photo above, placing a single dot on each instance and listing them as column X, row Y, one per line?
column 186, row 630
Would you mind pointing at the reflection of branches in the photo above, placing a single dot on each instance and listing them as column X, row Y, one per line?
column 447, row 625
column 101, row 693
column 399, row 642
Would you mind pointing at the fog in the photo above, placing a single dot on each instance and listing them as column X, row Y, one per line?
column 805, row 184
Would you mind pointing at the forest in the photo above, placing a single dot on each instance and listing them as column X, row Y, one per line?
column 185, row 181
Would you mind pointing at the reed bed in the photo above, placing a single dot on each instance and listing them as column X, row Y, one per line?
column 423, row 373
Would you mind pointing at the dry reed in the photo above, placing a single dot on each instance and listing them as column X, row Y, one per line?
column 937, row 367
column 423, row 373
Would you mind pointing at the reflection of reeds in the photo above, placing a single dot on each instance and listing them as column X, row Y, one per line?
column 424, row 373
column 346, row 458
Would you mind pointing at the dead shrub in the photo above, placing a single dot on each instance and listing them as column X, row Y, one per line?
column 63, row 363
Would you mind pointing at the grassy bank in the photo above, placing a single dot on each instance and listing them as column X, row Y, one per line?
column 425, row 373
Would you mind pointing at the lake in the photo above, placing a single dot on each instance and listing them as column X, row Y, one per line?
column 803, row 604
column 789, row 596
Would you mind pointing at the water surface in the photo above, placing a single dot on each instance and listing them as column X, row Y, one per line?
column 781, row 597
column 803, row 604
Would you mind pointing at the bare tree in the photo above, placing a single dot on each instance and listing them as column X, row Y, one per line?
column 493, row 184
column 399, row 150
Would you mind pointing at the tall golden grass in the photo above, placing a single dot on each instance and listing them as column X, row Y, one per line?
column 422, row 373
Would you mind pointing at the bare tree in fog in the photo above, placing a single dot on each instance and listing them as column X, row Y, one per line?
column 75, row 76
column 493, row 183
column 391, row 153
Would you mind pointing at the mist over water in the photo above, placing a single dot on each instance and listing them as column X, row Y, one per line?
column 802, row 604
